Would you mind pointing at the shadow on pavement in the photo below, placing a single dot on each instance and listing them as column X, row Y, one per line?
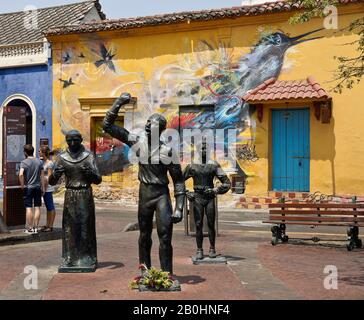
column 110, row 265
column 190, row 279
column 232, row 258
column 354, row 281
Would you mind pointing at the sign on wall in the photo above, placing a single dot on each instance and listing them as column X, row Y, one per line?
column 14, row 126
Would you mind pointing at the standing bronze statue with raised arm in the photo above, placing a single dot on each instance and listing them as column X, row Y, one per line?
column 79, row 251
column 154, row 192
column 203, row 197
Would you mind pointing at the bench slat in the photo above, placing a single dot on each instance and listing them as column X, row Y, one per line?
column 315, row 218
column 317, row 205
column 317, row 212
column 318, row 224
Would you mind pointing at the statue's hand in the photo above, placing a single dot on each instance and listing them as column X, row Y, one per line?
column 177, row 216
column 87, row 170
column 125, row 98
column 191, row 196
column 119, row 102
column 210, row 192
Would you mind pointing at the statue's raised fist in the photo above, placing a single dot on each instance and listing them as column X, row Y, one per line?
column 126, row 97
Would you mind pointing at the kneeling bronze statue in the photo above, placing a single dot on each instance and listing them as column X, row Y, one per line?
column 79, row 250
column 203, row 197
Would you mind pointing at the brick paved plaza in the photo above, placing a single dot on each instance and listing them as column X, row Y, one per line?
column 255, row 269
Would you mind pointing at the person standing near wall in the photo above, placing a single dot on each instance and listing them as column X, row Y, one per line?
column 48, row 167
column 31, row 178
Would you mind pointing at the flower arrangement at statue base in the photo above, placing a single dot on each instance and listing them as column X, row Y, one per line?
column 154, row 280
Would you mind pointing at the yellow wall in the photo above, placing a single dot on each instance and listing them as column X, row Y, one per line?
column 155, row 64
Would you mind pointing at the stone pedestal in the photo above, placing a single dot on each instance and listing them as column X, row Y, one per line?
column 62, row 269
column 208, row 260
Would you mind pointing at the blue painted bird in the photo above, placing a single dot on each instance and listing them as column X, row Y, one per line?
column 67, row 83
column 67, row 57
column 106, row 58
column 226, row 87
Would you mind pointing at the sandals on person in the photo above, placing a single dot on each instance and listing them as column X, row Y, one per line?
column 46, row 229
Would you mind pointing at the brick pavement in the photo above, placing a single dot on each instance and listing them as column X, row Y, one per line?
column 256, row 270
column 301, row 268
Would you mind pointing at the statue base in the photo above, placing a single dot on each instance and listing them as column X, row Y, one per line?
column 175, row 288
column 63, row 269
column 208, row 260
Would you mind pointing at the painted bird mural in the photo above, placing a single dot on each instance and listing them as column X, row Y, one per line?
column 106, row 58
column 67, row 57
column 226, row 87
column 67, row 83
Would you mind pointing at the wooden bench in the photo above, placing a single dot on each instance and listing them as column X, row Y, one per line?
column 350, row 215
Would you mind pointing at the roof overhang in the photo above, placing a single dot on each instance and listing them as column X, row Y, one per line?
column 24, row 54
column 256, row 14
column 294, row 92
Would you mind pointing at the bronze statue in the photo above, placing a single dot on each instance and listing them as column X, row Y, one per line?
column 79, row 251
column 154, row 192
column 203, row 197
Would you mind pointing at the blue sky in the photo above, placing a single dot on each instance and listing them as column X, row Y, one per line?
column 128, row 8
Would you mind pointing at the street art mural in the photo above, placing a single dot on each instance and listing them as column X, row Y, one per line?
column 210, row 73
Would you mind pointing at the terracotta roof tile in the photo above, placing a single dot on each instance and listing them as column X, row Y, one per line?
column 273, row 89
column 180, row 17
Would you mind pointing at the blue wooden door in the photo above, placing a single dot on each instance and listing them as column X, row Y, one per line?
column 291, row 150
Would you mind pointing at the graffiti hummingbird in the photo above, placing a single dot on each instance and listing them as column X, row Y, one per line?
column 226, row 87
column 266, row 59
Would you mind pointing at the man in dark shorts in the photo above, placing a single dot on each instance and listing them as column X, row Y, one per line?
column 31, row 177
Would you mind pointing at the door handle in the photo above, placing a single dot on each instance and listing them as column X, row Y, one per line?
column 300, row 157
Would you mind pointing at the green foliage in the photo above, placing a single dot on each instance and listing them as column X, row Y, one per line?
column 350, row 70
column 313, row 8
column 152, row 278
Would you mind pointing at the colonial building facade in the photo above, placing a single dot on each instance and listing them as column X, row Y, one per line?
column 26, row 88
column 244, row 68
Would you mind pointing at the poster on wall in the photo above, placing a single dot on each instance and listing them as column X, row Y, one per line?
column 15, row 135
column 111, row 154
